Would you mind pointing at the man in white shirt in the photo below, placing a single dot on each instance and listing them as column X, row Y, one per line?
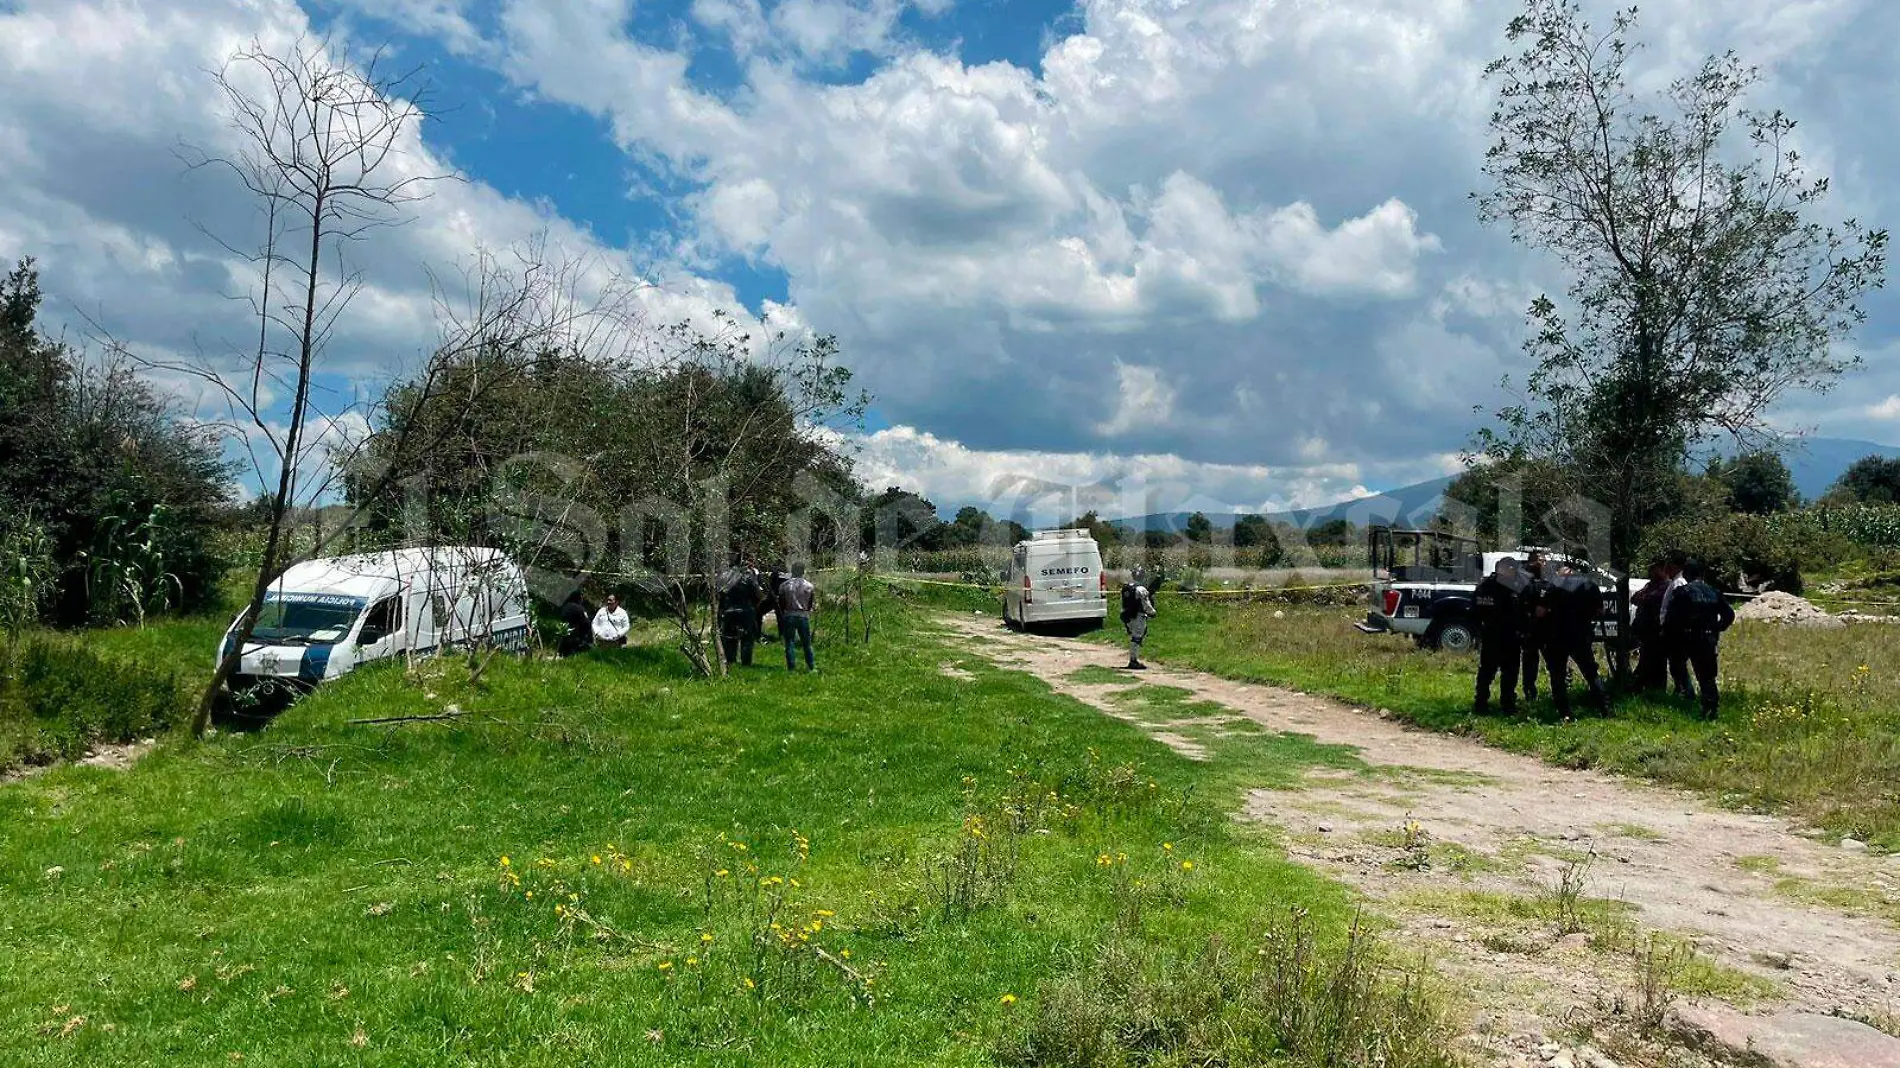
column 611, row 624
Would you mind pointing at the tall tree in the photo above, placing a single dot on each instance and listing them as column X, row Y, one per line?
column 1200, row 529
column 1870, row 480
column 320, row 152
column 1756, row 483
column 95, row 469
column 1704, row 283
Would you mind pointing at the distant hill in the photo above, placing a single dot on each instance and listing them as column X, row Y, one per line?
column 1815, row 463
column 1408, row 504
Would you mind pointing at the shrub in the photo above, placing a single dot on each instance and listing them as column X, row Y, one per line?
column 1740, row 551
column 1292, row 1002
column 58, row 698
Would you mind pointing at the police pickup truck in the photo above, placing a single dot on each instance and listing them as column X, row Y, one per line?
column 1424, row 582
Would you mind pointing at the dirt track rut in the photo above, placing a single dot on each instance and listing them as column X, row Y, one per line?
column 1743, row 887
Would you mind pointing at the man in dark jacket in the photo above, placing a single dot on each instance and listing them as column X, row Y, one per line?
column 1697, row 615
column 769, row 602
column 1652, row 670
column 1570, row 611
column 578, row 616
column 1500, row 624
column 1530, row 633
column 739, row 596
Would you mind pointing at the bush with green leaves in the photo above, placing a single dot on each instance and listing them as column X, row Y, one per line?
column 126, row 495
column 1740, row 551
column 59, row 698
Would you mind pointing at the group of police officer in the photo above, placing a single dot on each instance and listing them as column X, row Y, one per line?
column 1526, row 615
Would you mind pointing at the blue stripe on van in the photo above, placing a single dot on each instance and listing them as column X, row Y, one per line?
column 316, row 660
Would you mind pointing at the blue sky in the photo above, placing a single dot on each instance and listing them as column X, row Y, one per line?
column 1217, row 250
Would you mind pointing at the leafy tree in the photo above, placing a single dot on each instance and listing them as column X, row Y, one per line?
column 900, row 519
column 1254, row 532
column 972, row 526
column 573, row 459
column 1333, row 532
column 1200, row 529
column 1703, row 288
column 120, row 498
column 1756, row 483
column 1870, row 480
column 1104, row 532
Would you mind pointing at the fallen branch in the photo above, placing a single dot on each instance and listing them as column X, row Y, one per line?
column 454, row 713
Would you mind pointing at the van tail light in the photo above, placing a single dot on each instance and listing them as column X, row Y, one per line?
column 1103, row 576
column 1392, row 602
column 1028, row 593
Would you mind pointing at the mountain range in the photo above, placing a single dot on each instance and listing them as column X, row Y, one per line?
column 1815, row 464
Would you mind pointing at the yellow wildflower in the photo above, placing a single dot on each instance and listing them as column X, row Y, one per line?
column 1009, row 999
column 666, row 965
column 1187, row 865
column 505, row 861
column 597, row 858
column 706, row 937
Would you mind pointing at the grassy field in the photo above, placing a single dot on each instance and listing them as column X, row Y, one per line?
column 62, row 693
column 1810, row 718
column 602, row 861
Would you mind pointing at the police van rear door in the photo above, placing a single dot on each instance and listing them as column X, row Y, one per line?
column 1065, row 570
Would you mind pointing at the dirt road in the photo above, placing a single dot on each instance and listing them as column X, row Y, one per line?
column 1780, row 922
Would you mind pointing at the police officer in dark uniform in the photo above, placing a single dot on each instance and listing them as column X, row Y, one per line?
column 578, row 616
column 1530, row 637
column 739, row 596
column 1646, row 629
column 1697, row 616
column 1570, row 608
column 1500, row 627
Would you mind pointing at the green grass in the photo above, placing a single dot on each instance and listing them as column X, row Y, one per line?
column 1803, row 727
column 324, row 893
column 62, row 693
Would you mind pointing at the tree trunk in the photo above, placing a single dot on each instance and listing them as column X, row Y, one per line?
column 267, row 569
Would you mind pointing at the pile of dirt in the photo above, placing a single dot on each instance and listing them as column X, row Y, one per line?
column 1778, row 607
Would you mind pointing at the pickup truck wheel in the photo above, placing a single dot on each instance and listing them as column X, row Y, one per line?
column 1454, row 636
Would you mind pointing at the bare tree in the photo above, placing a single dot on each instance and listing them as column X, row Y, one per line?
column 321, row 151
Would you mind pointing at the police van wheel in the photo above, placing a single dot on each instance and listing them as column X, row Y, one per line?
column 1454, row 637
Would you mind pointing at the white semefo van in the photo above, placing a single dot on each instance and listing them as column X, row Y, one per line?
column 1055, row 576
column 325, row 617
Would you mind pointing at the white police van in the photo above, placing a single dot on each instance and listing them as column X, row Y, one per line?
column 322, row 618
column 1055, row 576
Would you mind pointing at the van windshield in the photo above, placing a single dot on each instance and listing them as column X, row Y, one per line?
column 306, row 618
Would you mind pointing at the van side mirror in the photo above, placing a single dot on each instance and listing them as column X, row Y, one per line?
column 1003, row 575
